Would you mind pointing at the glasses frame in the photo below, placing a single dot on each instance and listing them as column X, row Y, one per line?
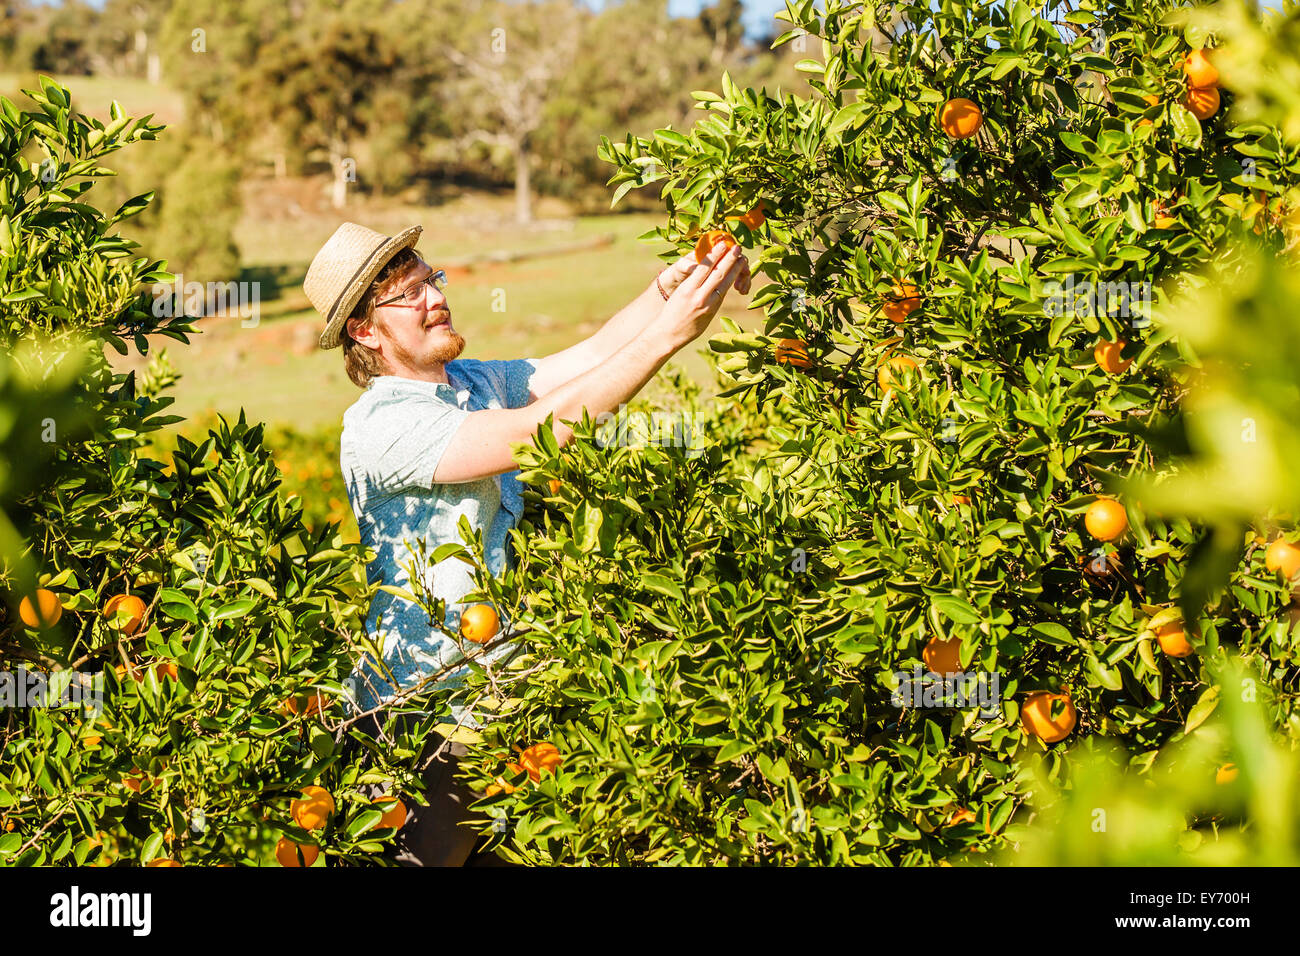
column 439, row 279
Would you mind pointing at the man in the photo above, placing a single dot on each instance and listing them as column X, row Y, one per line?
column 429, row 442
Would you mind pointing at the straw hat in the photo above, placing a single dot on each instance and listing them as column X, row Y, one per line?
column 344, row 269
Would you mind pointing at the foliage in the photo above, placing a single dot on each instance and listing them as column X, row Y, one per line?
column 713, row 643
column 187, row 749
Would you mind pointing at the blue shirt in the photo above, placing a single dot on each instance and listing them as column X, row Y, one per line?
column 394, row 436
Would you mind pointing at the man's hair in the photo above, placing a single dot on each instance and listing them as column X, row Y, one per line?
column 360, row 362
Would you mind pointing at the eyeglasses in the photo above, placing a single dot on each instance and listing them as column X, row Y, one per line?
column 413, row 295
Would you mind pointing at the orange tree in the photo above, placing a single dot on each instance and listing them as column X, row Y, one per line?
column 718, row 634
column 185, row 596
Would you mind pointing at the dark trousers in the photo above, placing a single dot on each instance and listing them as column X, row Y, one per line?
column 437, row 834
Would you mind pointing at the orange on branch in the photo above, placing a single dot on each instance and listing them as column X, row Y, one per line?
column 539, row 757
column 314, row 809
column 960, row 118
column 902, row 303
column 710, row 239
column 1198, row 69
column 42, row 613
column 1173, row 640
column 479, row 623
column 942, row 657
column 1108, row 358
column 288, row 853
column 393, row 817
column 1225, row 774
column 892, row 369
column 162, row 861
column 1203, row 103
column 793, row 352
column 125, row 612
column 1106, row 519
column 1037, row 720
column 1283, row 556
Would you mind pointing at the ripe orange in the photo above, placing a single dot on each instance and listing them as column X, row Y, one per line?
column 793, row 352
column 539, row 757
column 960, row 118
column 479, row 623
column 394, row 817
column 962, row 815
column 162, row 861
column 1107, row 356
column 942, row 657
column 1203, row 103
column 1151, row 101
column 288, row 853
column 43, row 613
column 1198, row 69
column 1106, row 519
column 1036, row 716
column 166, row 669
column 307, row 706
column 753, row 218
column 1226, row 774
column 554, row 485
column 1283, row 556
column 1173, row 641
column 313, row 811
column 891, row 369
column 125, row 612
column 500, row 786
column 902, row 303
column 710, row 239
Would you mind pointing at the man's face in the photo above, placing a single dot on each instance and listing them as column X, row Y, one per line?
column 413, row 338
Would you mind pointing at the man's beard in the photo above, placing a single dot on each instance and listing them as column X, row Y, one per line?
column 439, row 354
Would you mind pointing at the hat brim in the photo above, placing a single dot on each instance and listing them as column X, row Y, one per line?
column 360, row 282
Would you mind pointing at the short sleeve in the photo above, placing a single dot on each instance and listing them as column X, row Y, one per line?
column 509, row 379
column 400, row 445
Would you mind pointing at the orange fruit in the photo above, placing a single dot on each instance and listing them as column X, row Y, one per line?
column 125, row 612
column 392, row 818
column 1107, row 356
column 793, row 352
column 710, row 239
column 479, row 623
column 1283, row 556
column 961, row 499
column 500, row 786
column 162, row 861
column 314, row 809
column 1225, row 774
column 539, row 757
column 166, row 669
column 1173, row 641
column 1036, row 716
column 961, row 815
column 753, row 218
column 1198, row 69
column 43, row 613
column 1203, row 103
column 554, row 485
column 891, row 369
column 288, row 853
column 1106, row 519
column 307, row 706
column 942, row 657
column 960, row 118
column 902, row 303
column 1151, row 101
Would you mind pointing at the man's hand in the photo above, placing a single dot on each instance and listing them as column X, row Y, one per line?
column 673, row 275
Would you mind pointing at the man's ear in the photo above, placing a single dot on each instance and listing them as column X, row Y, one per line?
column 364, row 332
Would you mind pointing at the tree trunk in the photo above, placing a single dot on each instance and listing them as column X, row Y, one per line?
column 281, row 165
column 523, row 206
column 155, row 69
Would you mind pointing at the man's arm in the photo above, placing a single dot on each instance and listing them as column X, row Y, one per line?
column 630, row 321
column 481, row 446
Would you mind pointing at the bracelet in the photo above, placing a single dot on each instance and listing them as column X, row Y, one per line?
column 660, row 287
